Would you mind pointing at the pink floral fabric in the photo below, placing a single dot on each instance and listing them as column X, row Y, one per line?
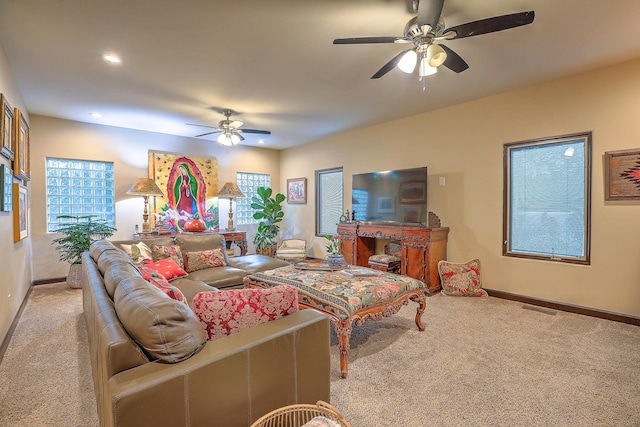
column 167, row 268
column 226, row 312
column 461, row 279
column 204, row 259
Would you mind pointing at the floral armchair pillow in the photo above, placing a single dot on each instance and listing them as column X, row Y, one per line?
column 461, row 279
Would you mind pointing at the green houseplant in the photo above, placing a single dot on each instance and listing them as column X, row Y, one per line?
column 78, row 234
column 269, row 213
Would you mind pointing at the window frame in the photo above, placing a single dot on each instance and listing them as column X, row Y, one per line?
column 109, row 209
column 318, row 174
column 586, row 138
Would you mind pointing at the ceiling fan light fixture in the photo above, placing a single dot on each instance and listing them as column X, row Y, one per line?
column 408, row 62
column 436, row 55
column 426, row 69
column 229, row 139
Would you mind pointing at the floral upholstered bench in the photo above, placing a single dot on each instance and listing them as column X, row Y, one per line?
column 347, row 296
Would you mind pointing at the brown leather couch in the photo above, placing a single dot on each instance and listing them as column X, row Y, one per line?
column 152, row 365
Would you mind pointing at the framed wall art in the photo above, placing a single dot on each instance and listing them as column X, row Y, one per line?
column 6, row 193
column 21, row 155
column 413, row 192
column 297, row 190
column 6, row 129
column 622, row 175
column 20, row 208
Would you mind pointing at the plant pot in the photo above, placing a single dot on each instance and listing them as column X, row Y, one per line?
column 335, row 260
column 75, row 276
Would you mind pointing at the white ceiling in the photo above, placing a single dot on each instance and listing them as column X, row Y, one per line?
column 274, row 61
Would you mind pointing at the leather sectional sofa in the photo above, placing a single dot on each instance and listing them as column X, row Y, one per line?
column 151, row 362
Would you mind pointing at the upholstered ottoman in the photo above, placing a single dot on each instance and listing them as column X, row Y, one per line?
column 347, row 296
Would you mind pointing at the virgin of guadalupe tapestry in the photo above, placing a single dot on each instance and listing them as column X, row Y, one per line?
column 190, row 185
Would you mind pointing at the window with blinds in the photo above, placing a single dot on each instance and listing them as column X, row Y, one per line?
column 548, row 199
column 329, row 200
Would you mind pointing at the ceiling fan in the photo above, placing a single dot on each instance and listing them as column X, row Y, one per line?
column 230, row 131
column 427, row 28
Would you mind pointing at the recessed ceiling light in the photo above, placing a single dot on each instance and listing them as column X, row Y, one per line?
column 261, row 141
column 112, row 58
column 96, row 115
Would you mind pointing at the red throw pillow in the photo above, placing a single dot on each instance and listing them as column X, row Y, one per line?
column 226, row 312
column 166, row 287
column 166, row 267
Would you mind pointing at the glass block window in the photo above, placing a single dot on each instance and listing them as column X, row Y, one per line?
column 248, row 183
column 548, row 199
column 79, row 187
column 359, row 203
column 329, row 196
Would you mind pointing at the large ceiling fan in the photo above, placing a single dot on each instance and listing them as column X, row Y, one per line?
column 427, row 28
column 230, row 131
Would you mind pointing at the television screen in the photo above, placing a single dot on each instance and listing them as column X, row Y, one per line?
column 391, row 196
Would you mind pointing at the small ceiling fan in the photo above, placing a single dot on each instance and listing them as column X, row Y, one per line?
column 230, row 131
column 427, row 28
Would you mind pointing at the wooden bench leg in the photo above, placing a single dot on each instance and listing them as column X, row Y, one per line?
column 421, row 299
column 343, row 331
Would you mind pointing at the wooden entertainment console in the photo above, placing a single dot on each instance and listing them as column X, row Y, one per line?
column 422, row 247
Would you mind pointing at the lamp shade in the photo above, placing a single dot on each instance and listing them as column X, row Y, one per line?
column 229, row 190
column 436, row 55
column 145, row 187
column 408, row 62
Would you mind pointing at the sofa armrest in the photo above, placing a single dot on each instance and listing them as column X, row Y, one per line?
column 233, row 380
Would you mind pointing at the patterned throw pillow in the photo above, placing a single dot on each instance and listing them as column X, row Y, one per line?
column 226, row 312
column 167, row 268
column 138, row 252
column 163, row 284
column 461, row 279
column 204, row 259
column 161, row 252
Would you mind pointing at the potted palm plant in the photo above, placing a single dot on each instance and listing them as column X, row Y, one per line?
column 78, row 234
column 269, row 213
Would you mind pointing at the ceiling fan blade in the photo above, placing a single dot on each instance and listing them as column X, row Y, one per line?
column 235, row 124
column 202, row 126
column 491, row 25
column 263, row 132
column 389, row 65
column 364, row 40
column 454, row 62
column 208, row 133
column 429, row 12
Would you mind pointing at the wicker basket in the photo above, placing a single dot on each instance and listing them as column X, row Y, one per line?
column 298, row 415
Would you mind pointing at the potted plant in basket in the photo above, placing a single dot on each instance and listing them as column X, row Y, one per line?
column 79, row 232
column 269, row 213
column 334, row 250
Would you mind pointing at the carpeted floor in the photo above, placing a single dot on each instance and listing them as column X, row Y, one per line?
column 480, row 362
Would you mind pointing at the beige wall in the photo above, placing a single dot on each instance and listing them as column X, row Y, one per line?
column 15, row 266
column 464, row 145
column 128, row 149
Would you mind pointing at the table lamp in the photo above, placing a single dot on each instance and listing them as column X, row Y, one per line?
column 230, row 191
column 145, row 187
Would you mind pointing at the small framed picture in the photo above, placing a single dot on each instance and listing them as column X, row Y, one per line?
column 6, row 129
column 6, row 187
column 622, row 175
column 297, row 190
column 20, row 223
column 386, row 205
column 413, row 192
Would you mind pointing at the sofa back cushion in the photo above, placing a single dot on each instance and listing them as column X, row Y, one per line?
column 116, row 273
column 167, row 329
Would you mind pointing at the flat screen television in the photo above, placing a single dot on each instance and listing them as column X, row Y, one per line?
column 398, row 196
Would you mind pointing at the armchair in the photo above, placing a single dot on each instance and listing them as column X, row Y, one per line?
column 292, row 250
